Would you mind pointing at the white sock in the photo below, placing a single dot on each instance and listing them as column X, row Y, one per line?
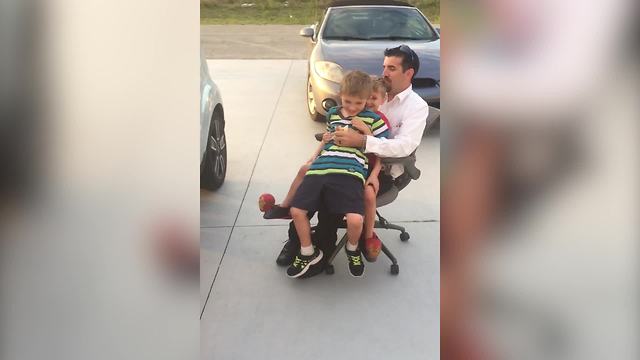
column 352, row 247
column 306, row 250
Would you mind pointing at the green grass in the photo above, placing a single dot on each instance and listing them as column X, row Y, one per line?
column 299, row 12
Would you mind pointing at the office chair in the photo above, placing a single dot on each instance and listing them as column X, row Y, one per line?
column 411, row 172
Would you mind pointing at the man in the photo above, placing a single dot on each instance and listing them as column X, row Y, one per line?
column 407, row 113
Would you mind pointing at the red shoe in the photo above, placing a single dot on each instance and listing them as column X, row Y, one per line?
column 372, row 247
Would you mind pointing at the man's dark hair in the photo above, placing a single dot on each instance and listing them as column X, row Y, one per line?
column 409, row 58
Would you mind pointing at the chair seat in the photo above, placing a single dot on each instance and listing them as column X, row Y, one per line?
column 388, row 197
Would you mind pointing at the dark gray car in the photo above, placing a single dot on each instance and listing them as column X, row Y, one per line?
column 353, row 35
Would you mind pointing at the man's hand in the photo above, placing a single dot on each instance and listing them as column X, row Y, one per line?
column 360, row 126
column 349, row 138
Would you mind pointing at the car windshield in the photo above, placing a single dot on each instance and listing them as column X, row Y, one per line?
column 377, row 23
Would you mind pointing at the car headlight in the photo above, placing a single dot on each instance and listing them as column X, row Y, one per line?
column 329, row 71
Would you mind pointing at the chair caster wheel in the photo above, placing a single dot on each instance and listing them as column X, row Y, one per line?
column 395, row 269
column 404, row 236
column 329, row 270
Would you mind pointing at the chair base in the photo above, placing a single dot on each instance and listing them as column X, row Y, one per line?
column 381, row 223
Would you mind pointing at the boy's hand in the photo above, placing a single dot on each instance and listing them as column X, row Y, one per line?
column 373, row 181
column 326, row 137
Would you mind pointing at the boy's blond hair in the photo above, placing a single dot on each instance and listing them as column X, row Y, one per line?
column 378, row 85
column 356, row 83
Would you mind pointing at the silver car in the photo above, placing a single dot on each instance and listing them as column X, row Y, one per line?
column 213, row 142
column 354, row 37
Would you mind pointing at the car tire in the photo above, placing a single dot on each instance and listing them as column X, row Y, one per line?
column 311, row 104
column 213, row 168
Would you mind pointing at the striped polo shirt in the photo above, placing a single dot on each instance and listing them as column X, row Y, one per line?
column 334, row 159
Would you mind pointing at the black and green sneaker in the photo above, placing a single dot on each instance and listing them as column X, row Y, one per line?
column 356, row 265
column 302, row 263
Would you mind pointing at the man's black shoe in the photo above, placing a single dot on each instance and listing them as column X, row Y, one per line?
column 288, row 253
column 277, row 212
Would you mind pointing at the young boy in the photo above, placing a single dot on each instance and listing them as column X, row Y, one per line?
column 377, row 97
column 372, row 244
column 336, row 177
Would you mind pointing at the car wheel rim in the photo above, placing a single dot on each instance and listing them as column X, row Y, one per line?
column 217, row 147
column 310, row 100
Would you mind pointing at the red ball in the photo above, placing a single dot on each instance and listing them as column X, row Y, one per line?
column 266, row 202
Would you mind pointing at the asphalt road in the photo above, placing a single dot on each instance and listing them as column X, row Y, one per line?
column 253, row 42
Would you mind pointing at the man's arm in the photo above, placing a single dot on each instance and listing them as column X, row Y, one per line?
column 405, row 140
column 403, row 143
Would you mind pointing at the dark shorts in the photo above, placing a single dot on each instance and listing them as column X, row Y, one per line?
column 341, row 194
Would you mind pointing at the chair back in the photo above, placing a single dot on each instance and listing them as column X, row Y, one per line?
column 411, row 172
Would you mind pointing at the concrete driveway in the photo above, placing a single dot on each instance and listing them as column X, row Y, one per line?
column 254, row 42
column 250, row 309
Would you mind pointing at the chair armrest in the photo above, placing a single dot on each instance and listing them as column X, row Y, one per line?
column 398, row 160
column 409, row 163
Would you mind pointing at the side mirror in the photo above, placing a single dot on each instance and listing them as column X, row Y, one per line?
column 306, row 32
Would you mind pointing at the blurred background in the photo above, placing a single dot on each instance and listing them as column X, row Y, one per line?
column 99, row 108
column 540, row 187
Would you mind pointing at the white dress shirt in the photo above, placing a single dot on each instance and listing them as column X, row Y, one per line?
column 407, row 114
